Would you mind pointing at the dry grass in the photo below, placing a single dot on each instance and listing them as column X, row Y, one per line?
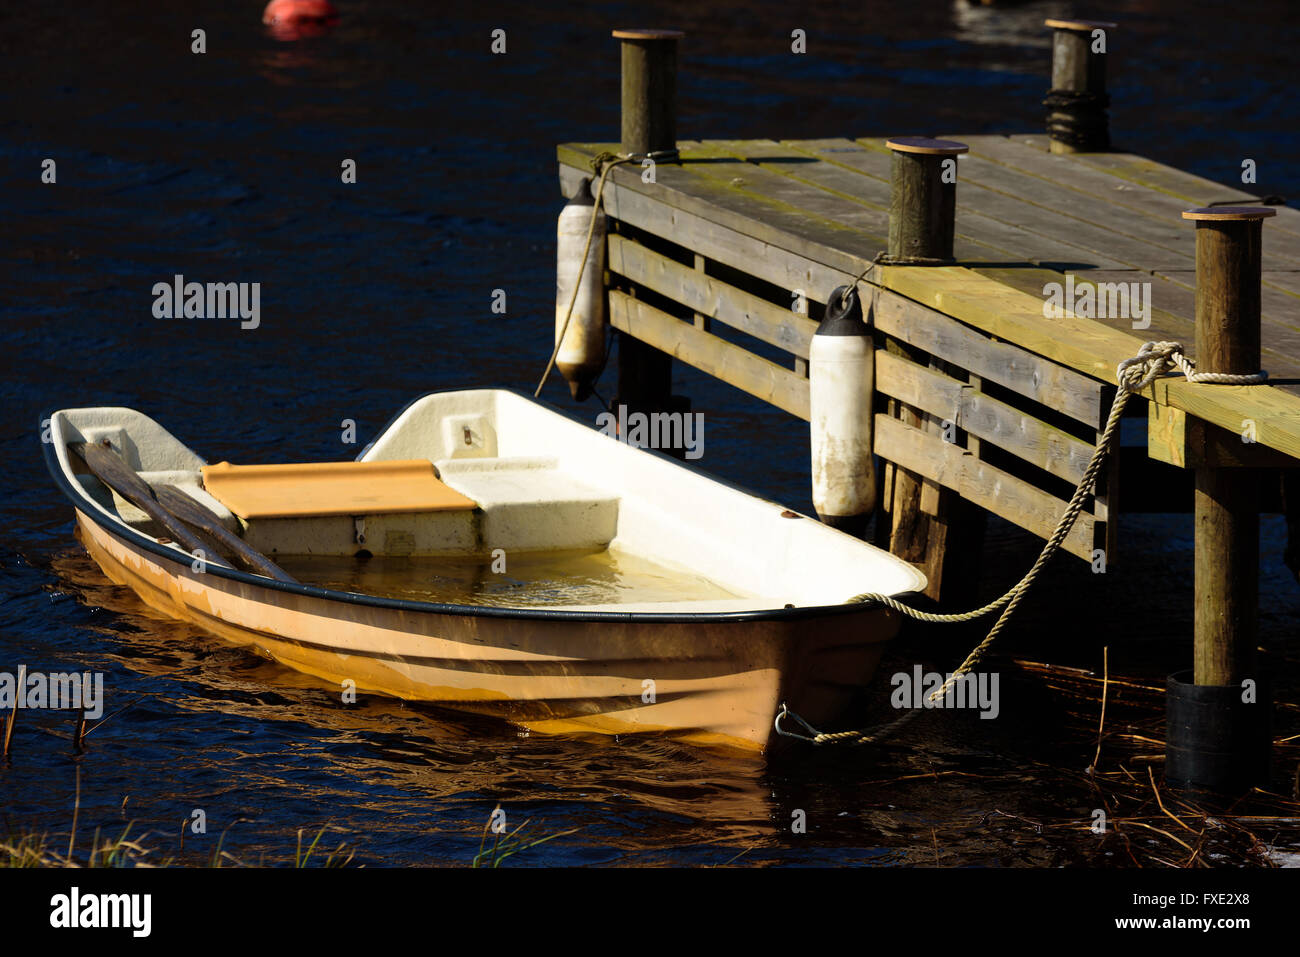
column 36, row 850
column 1147, row 823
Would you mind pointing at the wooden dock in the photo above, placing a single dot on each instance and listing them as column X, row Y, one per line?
column 811, row 215
column 724, row 256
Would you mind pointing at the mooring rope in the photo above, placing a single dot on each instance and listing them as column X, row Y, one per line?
column 883, row 258
column 1153, row 360
column 601, row 163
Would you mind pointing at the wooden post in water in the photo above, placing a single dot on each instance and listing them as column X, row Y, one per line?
column 1076, row 103
column 1218, row 736
column 928, row 525
column 1228, row 241
column 649, row 125
column 922, row 198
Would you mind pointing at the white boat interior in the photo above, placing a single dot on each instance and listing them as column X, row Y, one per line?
column 542, row 483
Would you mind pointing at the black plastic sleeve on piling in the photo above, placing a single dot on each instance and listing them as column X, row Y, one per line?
column 1214, row 741
column 1079, row 119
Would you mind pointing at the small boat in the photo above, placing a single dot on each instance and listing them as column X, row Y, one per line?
column 489, row 553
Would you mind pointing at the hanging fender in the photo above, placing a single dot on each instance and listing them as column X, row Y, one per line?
column 841, row 374
column 582, row 352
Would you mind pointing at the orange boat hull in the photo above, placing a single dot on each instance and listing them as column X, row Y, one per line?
column 716, row 682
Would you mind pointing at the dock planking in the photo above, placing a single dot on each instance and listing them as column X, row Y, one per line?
column 811, row 214
column 982, row 237
column 1104, row 245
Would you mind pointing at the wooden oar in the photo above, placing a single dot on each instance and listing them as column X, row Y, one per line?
column 201, row 517
column 108, row 467
column 176, row 513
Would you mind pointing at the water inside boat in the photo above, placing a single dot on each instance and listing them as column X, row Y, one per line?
column 530, row 579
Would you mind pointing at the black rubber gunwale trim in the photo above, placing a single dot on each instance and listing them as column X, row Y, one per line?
column 139, row 540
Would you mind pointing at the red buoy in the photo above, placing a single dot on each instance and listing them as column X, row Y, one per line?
column 294, row 19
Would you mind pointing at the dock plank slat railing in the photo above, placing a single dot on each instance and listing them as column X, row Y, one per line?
column 1040, row 379
column 1050, row 449
column 719, row 358
column 716, row 299
column 990, row 488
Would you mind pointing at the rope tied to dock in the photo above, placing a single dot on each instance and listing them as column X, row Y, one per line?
column 1154, row 360
column 884, row 259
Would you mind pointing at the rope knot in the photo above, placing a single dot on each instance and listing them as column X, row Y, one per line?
column 1151, row 362
column 1154, row 359
column 599, row 161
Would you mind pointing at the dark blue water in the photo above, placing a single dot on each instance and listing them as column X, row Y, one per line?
column 225, row 167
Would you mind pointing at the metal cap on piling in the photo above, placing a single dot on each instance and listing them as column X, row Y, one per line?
column 922, row 199
column 1209, row 214
column 1076, row 104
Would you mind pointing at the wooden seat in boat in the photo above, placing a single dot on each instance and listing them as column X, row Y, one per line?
column 317, row 489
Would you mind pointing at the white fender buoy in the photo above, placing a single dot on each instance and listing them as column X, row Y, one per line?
column 582, row 353
column 841, row 378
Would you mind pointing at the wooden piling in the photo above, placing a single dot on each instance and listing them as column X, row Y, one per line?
column 1228, row 264
column 929, row 525
column 1217, row 734
column 649, row 125
column 1076, row 119
column 922, row 199
column 649, row 89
